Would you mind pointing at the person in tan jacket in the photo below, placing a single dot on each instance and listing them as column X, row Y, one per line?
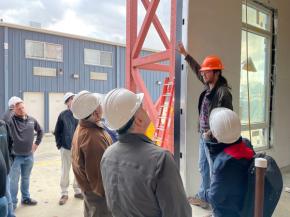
column 89, row 142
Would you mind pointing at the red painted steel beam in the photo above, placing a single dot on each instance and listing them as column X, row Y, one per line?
column 152, row 58
column 158, row 27
column 131, row 36
column 157, row 103
column 149, row 106
column 151, row 62
column 145, row 27
column 156, row 67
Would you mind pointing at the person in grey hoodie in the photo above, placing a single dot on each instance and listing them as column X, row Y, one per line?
column 22, row 128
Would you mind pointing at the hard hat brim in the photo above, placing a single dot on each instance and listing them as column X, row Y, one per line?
column 67, row 96
column 210, row 68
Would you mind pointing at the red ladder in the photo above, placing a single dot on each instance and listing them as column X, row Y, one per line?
column 164, row 122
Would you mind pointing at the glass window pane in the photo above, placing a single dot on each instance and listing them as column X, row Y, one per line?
column 257, row 79
column 264, row 21
column 255, row 73
column 256, row 17
column 34, row 49
column 92, row 57
column 259, row 137
column 53, row 52
column 106, row 59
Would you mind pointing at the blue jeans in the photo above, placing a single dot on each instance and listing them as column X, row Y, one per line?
column 205, row 166
column 22, row 165
column 3, row 207
column 8, row 197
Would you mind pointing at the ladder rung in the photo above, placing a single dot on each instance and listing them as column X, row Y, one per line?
column 161, row 112
column 164, row 109
column 164, row 106
column 160, row 128
column 162, row 117
column 168, row 84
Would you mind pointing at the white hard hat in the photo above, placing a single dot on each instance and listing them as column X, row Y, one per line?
column 14, row 100
column 67, row 96
column 84, row 104
column 119, row 106
column 225, row 125
column 83, row 91
column 100, row 96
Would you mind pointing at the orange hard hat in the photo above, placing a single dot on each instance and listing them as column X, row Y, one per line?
column 212, row 63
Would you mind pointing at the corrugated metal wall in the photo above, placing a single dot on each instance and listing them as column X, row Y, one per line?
column 2, row 88
column 21, row 78
column 154, row 82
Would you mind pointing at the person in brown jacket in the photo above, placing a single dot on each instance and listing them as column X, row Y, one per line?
column 89, row 142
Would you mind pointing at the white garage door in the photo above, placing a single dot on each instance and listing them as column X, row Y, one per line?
column 56, row 106
column 34, row 103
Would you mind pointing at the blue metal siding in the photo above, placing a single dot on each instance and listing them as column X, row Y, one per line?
column 151, row 80
column 102, row 86
column 73, row 63
column 2, row 86
column 122, row 66
column 21, row 78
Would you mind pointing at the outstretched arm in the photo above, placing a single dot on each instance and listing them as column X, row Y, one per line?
column 194, row 65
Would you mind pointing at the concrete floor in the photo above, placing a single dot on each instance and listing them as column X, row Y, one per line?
column 45, row 189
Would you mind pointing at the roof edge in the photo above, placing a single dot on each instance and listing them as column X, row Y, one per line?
column 67, row 35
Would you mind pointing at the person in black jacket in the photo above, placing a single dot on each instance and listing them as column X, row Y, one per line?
column 216, row 93
column 64, row 131
column 5, row 149
column 232, row 156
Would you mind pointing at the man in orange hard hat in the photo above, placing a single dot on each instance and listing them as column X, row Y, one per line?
column 215, row 94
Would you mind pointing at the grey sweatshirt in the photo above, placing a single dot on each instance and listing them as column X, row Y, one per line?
column 142, row 180
column 22, row 133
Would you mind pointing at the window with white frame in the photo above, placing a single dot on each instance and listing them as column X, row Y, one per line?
column 43, row 50
column 98, row 58
column 256, row 72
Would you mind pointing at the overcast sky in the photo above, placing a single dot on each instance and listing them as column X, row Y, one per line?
column 102, row 19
